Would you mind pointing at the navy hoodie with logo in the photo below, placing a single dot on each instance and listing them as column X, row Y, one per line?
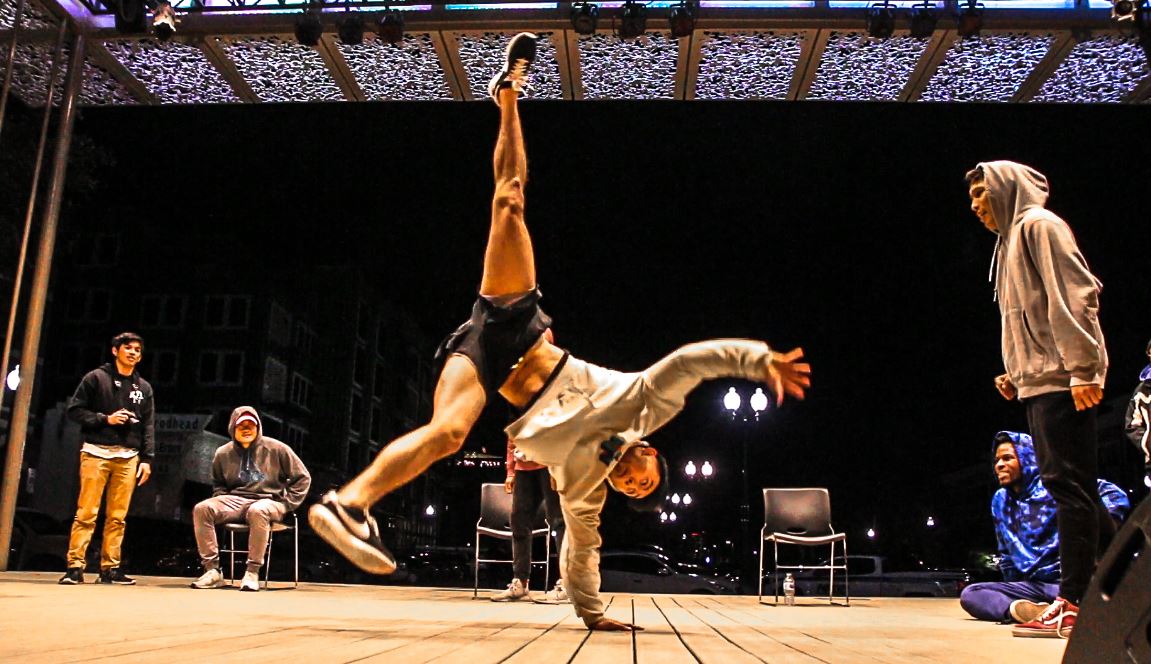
column 1025, row 525
column 104, row 391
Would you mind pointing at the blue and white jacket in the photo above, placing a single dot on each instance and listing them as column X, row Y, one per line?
column 1025, row 525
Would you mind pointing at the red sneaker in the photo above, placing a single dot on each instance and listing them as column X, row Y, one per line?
column 1057, row 621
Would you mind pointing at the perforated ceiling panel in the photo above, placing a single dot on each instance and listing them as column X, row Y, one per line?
column 747, row 65
column 987, row 68
column 175, row 73
column 279, row 69
column 409, row 70
column 34, row 68
column 614, row 68
column 856, row 67
column 33, row 18
column 1102, row 69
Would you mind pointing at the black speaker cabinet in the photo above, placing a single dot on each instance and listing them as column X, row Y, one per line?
column 1114, row 624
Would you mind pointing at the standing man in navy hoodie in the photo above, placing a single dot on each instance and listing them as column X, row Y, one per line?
column 114, row 408
column 255, row 480
column 1055, row 362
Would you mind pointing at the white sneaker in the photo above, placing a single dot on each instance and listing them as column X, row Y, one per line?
column 556, row 595
column 210, row 579
column 251, row 582
column 516, row 591
column 518, row 58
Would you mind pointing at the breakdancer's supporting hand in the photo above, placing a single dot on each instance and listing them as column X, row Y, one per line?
column 788, row 374
column 609, row 625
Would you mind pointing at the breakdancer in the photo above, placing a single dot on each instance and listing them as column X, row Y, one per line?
column 584, row 422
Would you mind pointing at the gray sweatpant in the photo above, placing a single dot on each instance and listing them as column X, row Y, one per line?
column 258, row 514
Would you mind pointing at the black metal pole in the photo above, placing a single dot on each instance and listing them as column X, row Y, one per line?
column 39, row 296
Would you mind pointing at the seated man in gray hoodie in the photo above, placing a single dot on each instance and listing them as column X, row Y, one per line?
column 255, row 480
column 585, row 423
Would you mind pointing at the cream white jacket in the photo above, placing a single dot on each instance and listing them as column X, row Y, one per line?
column 586, row 405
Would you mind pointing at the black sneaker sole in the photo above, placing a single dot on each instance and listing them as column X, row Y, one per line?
column 331, row 529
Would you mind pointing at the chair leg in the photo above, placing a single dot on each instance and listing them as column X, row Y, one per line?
column 267, row 561
column 775, row 573
column 547, row 557
column 846, row 577
column 476, row 588
column 232, row 555
column 760, row 567
column 831, row 576
column 296, row 533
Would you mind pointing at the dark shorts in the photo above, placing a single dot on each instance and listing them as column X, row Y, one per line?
column 496, row 337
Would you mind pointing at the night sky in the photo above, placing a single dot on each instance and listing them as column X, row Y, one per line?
column 841, row 228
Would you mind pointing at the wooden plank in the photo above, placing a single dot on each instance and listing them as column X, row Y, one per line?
column 604, row 647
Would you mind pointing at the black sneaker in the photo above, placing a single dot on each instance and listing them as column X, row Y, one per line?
column 521, row 52
column 353, row 532
column 73, row 576
column 115, row 575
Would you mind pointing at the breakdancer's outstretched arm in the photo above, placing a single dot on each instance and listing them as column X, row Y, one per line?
column 342, row 518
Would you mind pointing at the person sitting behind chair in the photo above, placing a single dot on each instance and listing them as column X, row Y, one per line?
column 1028, row 537
column 255, row 480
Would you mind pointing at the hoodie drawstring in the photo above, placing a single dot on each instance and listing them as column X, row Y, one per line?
column 993, row 271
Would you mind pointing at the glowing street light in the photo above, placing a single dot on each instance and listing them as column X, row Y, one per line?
column 758, row 401
column 671, row 517
column 689, row 469
column 870, row 533
column 663, row 517
column 675, row 499
column 686, row 499
column 13, row 380
column 430, row 510
column 707, row 469
column 732, row 400
column 930, row 522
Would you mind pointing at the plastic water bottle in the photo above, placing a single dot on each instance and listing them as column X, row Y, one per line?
column 789, row 590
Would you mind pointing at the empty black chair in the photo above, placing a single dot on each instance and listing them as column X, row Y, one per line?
column 801, row 517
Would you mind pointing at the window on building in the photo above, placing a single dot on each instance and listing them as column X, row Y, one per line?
column 297, row 437
column 165, row 366
column 226, row 311
column 275, row 389
column 357, row 412
column 165, row 311
column 303, row 339
column 221, row 367
column 361, row 371
column 279, row 325
column 301, row 394
column 376, row 428
column 89, row 306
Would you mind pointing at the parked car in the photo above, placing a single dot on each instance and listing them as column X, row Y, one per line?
column 39, row 542
column 879, row 576
column 650, row 572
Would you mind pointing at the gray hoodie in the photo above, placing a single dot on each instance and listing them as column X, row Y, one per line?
column 1048, row 298
column 265, row 469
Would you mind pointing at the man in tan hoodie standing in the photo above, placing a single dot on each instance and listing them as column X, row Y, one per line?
column 1055, row 363
column 255, row 480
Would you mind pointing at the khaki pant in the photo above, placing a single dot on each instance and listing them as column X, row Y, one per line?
column 118, row 477
column 259, row 514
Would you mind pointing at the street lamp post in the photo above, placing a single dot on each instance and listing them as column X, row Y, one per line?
column 732, row 401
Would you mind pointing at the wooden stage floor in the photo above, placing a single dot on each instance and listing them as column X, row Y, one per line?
column 162, row 620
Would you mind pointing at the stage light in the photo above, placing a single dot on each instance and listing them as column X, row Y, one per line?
column 923, row 20
column 308, row 29
column 351, row 29
column 584, row 17
column 163, row 21
column 881, row 20
column 970, row 19
column 682, row 19
column 1124, row 10
column 390, row 26
column 131, row 16
column 632, row 20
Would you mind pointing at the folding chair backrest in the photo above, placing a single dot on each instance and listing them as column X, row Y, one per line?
column 495, row 508
column 803, row 512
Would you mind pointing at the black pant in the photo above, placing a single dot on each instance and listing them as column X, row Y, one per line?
column 1065, row 443
column 532, row 488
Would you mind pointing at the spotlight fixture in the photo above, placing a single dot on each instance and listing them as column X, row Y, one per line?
column 881, row 20
column 308, row 29
column 632, row 20
column 682, row 19
column 163, row 20
column 970, row 19
column 923, row 20
column 584, row 17
column 1123, row 11
column 351, row 29
column 390, row 26
column 131, row 16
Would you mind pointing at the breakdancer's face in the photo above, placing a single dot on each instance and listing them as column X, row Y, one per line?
column 637, row 472
column 981, row 204
column 1007, row 469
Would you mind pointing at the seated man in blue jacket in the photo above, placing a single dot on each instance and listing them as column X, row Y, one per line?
column 1025, row 528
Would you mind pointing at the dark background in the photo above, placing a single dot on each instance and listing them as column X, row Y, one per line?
column 841, row 228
